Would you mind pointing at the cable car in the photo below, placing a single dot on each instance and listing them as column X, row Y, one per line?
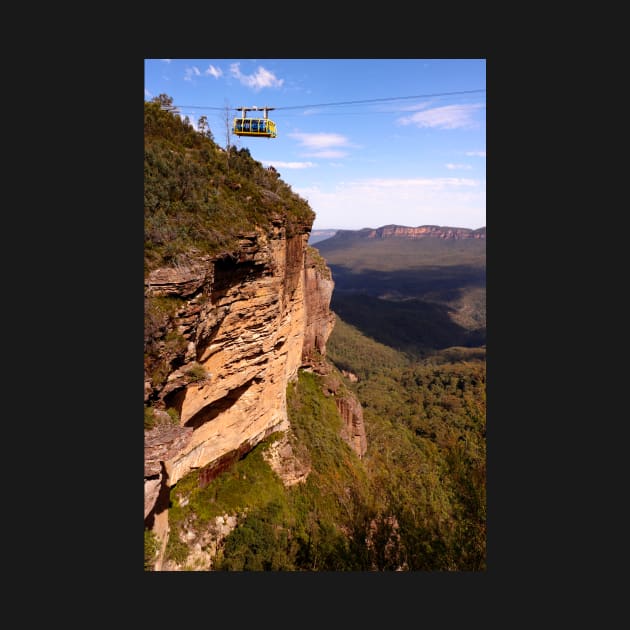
column 257, row 127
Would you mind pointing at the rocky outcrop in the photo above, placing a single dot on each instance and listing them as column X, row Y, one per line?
column 350, row 410
column 241, row 326
column 202, row 544
column 383, row 544
column 283, row 461
column 320, row 321
column 160, row 444
column 353, row 428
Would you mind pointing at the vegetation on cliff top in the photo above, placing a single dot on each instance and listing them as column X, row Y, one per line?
column 319, row 262
column 199, row 197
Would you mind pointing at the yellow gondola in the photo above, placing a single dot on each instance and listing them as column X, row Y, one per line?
column 260, row 127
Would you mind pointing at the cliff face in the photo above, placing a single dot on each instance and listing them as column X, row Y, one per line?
column 318, row 288
column 424, row 231
column 249, row 322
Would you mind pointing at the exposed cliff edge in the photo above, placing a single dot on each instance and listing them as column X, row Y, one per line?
column 239, row 327
column 400, row 231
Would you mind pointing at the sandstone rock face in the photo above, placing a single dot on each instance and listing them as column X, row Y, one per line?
column 248, row 320
column 160, row 444
column 320, row 321
column 183, row 281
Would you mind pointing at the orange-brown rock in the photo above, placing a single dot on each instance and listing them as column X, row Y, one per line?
column 353, row 428
column 247, row 321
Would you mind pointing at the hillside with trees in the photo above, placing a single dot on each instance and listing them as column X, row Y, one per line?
column 416, row 502
column 412, row 351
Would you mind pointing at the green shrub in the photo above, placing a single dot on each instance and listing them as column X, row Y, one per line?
column 176, row 550
column 151, row 548
column 174, row 415
column 260, row 543
column 149, row 418
column 197, row 373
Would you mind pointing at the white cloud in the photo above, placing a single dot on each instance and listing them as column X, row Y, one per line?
column 412, row 108
column 215, row 72
column 453, row 167
column 451, row 201
column 191, row 72
column 446, row 117
column 291, row 165
column 167, row 60
column 429, row 183
column 262, row 78
column 320, row 140
column 147, row 93
column 476, row 153
column 328, row 154
column 322, row 145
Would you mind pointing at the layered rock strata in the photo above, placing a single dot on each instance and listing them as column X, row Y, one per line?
column 249, row 321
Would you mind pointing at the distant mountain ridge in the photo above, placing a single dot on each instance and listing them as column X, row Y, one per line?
column 422, row 231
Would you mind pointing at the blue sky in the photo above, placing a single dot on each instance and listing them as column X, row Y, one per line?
column 367, row 142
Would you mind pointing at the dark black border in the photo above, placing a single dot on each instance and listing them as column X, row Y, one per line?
column 110, row 261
